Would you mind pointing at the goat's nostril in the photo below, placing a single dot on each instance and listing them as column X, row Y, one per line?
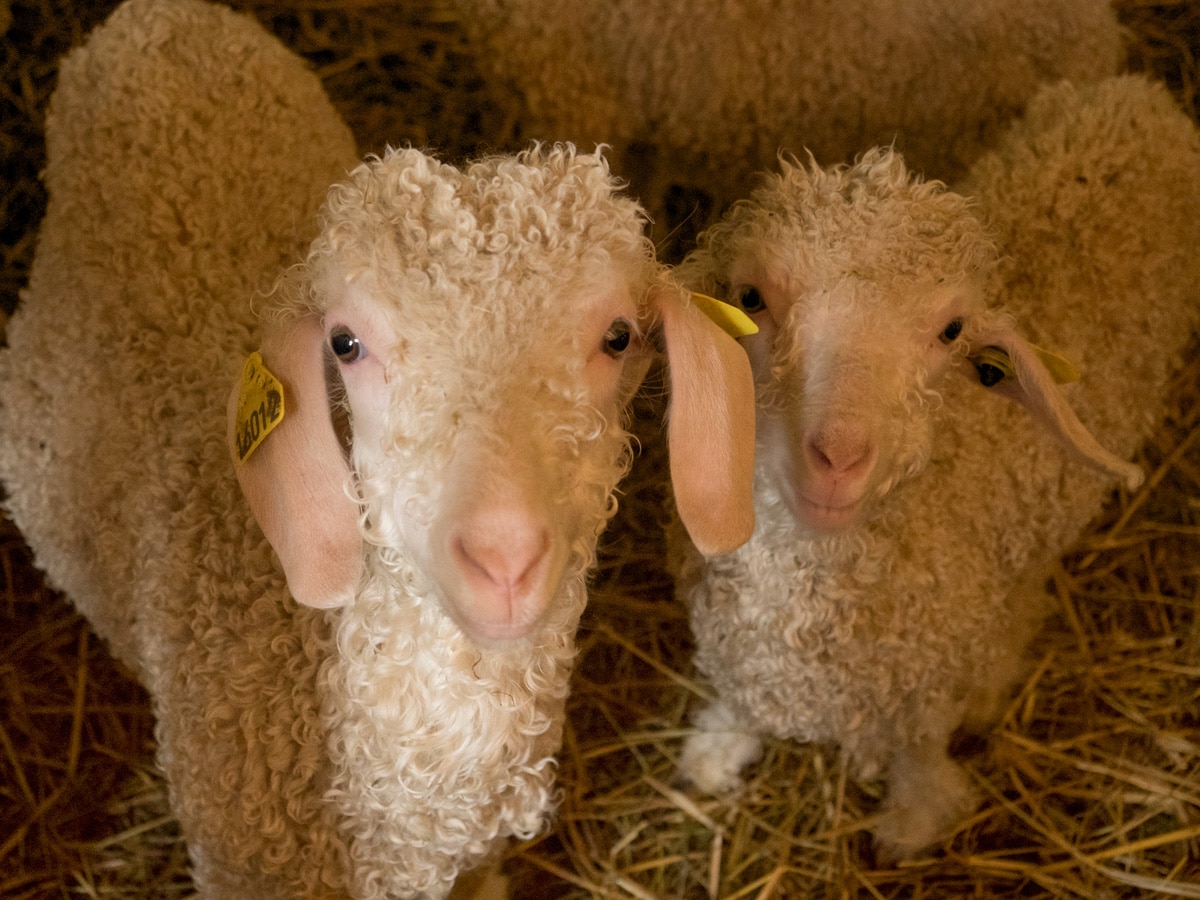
column 840, row 452
column 821, row 457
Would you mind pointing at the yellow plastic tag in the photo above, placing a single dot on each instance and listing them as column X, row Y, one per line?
column 259, row 407
column 730, row 319
column 1061, row 369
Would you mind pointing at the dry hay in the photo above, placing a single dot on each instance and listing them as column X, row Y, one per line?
column 1091, row 782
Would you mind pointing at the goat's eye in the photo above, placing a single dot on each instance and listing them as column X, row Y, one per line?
column 751, row 300
column 617, row 338
column 346, row 346
column 951, row 331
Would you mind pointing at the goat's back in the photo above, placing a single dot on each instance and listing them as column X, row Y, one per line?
column 1093, row 200
column 1093, row 197
column 738, row 82
column 188, row 153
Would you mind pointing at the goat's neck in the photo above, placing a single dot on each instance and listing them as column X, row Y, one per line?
column 436, row 747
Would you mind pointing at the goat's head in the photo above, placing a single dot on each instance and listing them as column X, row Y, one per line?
column 868, row 286
column 483, row 329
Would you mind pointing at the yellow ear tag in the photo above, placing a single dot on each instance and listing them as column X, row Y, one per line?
column 259, row 407
column 1061, row 369
column 729, row 319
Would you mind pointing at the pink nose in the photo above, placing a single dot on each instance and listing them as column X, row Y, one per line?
column 840, row 450
column 502, row 556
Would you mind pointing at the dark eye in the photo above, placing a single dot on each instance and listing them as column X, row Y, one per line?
column 951, row 331
column 751, row 300
column 345, row 346
column 617, row 338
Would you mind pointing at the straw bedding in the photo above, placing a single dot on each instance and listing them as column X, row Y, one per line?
column 1092, row 780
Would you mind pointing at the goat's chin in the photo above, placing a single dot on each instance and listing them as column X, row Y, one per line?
column 499, row 637
column 493, row 618
column 821, row 521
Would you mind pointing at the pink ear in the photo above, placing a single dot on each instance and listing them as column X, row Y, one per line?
column 710, row 427
column 294, row 481
column 1033, row 386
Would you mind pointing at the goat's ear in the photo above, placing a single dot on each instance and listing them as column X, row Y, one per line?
column 294, row 480
column 710, row 426
column 1006, row 364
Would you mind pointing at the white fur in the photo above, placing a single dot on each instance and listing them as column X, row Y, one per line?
column 906, row 514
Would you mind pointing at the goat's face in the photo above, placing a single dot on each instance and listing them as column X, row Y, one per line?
column 487, row 329
column 483, row 331
column 847, row 377
column 863, row 285
column 491, row 463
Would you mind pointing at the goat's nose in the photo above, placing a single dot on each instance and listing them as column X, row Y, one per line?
column 503, row 551
column 842, row 450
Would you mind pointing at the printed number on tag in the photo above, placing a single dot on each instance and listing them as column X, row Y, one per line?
column 259, row 409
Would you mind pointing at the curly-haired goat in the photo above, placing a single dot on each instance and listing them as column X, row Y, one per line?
column 907, row 514
column 377, row 722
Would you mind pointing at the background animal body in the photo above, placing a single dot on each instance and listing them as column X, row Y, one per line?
column 703, row 93
column 1091, row 783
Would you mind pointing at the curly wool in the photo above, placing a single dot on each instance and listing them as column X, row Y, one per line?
column 371, row 750
column 470, row 737
column 840, row 213
column 718, row 88
column 113, row 408
column 890, row 635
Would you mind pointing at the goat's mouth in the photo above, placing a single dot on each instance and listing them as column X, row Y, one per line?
column 498, row 602
column 824, row 519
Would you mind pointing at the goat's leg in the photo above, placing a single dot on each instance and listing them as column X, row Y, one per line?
column 927, row 793
column 713, row 758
